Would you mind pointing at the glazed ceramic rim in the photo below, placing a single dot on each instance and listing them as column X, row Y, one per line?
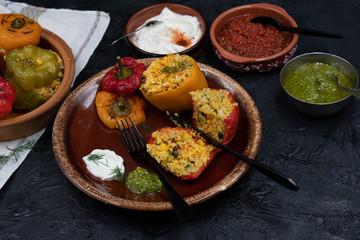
column 62, row 90
column 236, row 58
column 162, row 5
column 69, row 169
column 323, row 54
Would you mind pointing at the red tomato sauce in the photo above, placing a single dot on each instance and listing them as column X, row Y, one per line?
column 253, row 40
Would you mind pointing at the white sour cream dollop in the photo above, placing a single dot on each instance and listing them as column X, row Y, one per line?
column 101, row 163
column 159, row 38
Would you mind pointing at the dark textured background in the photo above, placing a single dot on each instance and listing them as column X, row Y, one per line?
column 321, row 155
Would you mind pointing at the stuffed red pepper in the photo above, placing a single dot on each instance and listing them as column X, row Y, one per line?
column 215, row 112
column 7, row 98
column 180, row 151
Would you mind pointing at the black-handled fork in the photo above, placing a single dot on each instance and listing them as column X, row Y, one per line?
column 267, row 171
column 136, row 146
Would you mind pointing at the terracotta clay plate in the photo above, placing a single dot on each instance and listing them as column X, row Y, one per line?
column 78, row 130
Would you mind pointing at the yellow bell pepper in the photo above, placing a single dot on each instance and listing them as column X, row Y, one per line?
column 168, row 81
column 112, row 108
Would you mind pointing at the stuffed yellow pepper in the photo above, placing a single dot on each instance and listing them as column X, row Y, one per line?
column 169, row 80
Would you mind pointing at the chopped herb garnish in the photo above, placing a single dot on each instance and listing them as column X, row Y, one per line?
column 119, row 175
column 180, row 65
column 145, row 126
column 96, row 158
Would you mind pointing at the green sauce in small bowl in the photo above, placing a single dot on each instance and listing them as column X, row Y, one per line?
column 312, row 82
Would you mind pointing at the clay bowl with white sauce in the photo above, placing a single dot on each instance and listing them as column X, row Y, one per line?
column 19, row 124
column 142, row 16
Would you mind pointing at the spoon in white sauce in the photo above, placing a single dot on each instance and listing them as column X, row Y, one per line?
column 149, row 23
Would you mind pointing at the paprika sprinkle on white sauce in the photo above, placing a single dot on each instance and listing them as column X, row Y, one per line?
column 174, row 34
column 180, row 39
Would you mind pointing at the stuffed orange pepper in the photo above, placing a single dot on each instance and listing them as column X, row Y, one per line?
column 16, row 31
column 168, row 81
column 112, row 108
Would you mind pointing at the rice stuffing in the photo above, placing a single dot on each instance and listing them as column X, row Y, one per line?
column 179, row 151
column 166, row 73
column 210, row 108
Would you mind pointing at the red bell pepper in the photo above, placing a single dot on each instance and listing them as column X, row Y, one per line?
column 125, row 77
column 196, row 174
column 231, row 122
column 7, row 97
column 181, row 147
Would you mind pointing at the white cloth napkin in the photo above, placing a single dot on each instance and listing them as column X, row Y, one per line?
column 81, row 30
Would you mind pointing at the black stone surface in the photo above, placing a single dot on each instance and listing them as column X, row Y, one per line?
column 321, row 155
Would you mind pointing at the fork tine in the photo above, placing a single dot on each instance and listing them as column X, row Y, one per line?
column 128, row 143
column 138, row 133
column 131, row 134
column 133, row 139
column 139, row 141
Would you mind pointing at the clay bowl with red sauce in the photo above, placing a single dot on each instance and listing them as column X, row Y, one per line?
column 140, row 17
column 19, row 124
column 242, row 62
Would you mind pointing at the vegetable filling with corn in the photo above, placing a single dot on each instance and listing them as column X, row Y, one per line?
column 215, row 112
column 180, row 151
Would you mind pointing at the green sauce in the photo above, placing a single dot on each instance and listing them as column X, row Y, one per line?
column 142, row 181
column 312, row 83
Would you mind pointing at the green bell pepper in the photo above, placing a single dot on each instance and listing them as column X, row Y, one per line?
column 34, row 72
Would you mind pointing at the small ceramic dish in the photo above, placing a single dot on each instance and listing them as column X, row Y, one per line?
column 246, row 64
column 139, row 18
column 21, row 124
column 319, row 109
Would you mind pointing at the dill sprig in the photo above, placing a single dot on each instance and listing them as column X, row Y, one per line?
column 96, row 158
column 16, row 152
column 145, row 126
column 119, row 175
column 180, row 65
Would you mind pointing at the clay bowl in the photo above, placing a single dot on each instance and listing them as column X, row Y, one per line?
column 143, row 15
column 319, row 109
column 246, row 64
column 20, row 124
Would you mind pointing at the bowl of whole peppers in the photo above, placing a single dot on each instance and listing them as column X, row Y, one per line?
column 35, row 80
